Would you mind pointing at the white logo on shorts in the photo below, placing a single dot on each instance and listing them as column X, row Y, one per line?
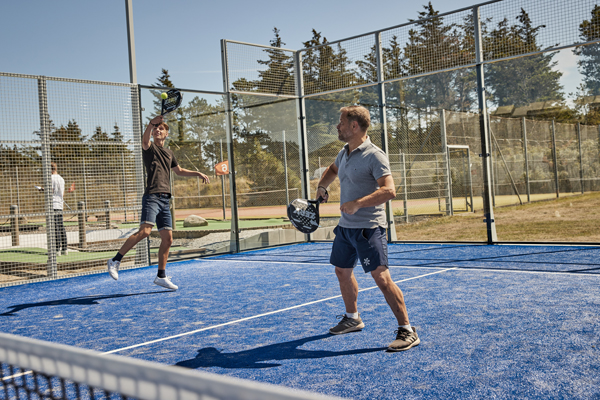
column 366, row 261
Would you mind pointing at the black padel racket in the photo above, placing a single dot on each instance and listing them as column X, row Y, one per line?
column 172, row 101
column 304, row 214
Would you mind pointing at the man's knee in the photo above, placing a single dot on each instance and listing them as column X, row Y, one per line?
column 144, row 231
column 382, row 277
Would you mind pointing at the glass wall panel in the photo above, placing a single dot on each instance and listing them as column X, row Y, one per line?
column 544, row 134
column 201, row 212
column 434, row 143
column 267, row 166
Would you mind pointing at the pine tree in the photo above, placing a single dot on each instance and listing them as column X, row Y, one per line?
column 524, row 80
column 589, row 66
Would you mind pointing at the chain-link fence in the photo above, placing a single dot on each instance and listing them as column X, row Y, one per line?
column 80, row 138
column 424, row 83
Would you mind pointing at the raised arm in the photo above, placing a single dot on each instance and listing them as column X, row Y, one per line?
column 148, row 132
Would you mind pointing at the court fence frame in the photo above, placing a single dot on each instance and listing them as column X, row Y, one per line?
column 516, row 156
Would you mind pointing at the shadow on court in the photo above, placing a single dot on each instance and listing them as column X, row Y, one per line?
column 80, row 301
column 255, row 358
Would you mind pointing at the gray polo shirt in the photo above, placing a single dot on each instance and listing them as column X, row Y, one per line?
column 358, row 173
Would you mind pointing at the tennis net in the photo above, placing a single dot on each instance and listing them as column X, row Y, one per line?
column 34, row 369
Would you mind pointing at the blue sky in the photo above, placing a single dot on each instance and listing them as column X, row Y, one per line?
column 86, row 39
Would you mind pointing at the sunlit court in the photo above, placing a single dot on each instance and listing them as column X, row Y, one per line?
column 495, row 322
column 406, row 213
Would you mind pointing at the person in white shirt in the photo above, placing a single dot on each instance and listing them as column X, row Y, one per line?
column 58, row 192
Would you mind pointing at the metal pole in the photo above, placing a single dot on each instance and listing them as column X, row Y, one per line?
column 287, row 193
column 223, row 184
column 85, row 197
column 470, row 179
column 404, row 187
column 47, row 176
column 14, row 225
column 130, row 42
column 450, row 203
column 235, row 230
column 124, row 184
column 554, row 159
column 488, row 210
column 524, row 129
column 18, row 191
column 389, row 207
column 449, row 206
column 580, row 158
column 302, row 132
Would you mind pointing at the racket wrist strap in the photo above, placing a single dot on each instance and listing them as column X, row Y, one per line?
column 322, row 187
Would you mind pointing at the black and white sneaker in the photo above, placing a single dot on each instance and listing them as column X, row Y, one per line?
column 404, row 340
column 347, row 325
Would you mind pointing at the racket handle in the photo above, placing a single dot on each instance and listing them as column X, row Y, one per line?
column 320, row 199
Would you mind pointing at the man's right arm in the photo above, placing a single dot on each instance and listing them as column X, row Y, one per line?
column 148, row 132
column 327, row 179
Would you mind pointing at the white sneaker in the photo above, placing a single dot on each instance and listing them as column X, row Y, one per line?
column 165, row 282
column 113, row 269
column 65, row 252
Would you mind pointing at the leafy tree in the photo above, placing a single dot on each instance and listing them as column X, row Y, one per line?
column 523, row 80
column 434, row 46
column 589, row 66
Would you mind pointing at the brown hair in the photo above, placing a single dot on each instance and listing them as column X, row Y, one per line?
column 165, row 125
column 53, row 167
column 358, row 114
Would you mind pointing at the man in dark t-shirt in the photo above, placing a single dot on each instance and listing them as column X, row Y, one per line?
column 159, row 161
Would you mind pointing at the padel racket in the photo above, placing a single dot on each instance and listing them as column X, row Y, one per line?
column 304, row 214
column 172, row 102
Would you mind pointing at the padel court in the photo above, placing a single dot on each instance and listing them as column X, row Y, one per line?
column 494, row 321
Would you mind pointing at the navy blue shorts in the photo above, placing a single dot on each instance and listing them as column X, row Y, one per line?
column 368, row 245
column 155, row 211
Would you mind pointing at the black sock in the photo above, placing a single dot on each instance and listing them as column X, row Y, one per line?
column 118, row 257
column 162, row 273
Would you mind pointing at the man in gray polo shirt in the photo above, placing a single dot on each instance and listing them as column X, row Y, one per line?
column 366, row 184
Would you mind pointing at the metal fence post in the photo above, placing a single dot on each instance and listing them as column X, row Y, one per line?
column 14, row 225
column 107, row 214
column 81, row 224
column 554, row 160
column 389, row 208
column 580, row 158
column 302, row 133
column 287, row 193
column 448, row 180
column 488, row 210
column 524, row 130
column 47, row 176
column 404, row 187
column 234, row 241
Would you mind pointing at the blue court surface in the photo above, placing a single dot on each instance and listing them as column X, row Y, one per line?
column 495, row 322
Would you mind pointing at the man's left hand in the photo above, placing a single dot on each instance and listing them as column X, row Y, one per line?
column 204, row 178
column 349, row 207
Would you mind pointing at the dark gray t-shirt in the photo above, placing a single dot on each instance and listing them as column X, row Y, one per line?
column 358, row 173
column 158, row 162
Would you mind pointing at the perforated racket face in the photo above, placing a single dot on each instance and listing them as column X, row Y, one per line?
column 303, row 215
column 172, row 101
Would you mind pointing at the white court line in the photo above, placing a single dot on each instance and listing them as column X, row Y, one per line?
column 429, row 266
column 258, row 316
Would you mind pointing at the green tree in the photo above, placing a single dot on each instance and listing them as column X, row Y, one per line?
column 524, row 80
column 589, row 66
